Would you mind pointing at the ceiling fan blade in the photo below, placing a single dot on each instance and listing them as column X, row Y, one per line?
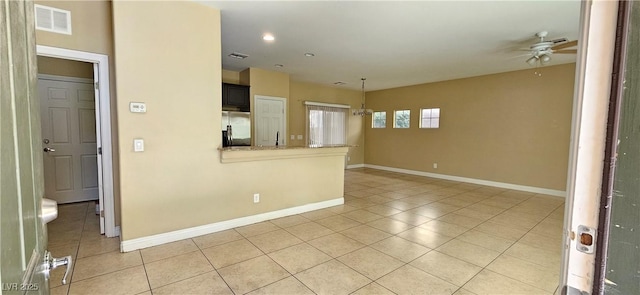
column 565, row 45
column 559, row 40
column 566, row 51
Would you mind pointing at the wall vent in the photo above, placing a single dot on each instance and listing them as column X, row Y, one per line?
column 238, row 55
column 53, row 19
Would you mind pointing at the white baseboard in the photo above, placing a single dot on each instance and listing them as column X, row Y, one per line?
column 159, row 239
column 355, row 166
column 518, row 187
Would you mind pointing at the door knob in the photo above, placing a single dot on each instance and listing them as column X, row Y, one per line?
column 51, row 263
column 48, row 149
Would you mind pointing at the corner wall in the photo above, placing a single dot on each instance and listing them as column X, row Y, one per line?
column 511, row 128
column 178, row 182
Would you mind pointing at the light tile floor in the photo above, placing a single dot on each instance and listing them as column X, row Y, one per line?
column 396, row 233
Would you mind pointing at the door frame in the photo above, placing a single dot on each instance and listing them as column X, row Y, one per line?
column 103, row 123
column 284, row 109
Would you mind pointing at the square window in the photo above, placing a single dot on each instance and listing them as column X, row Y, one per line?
column 430, row 118
column 379, row 120
column 401, row 119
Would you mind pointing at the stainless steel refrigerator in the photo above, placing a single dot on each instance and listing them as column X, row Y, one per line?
column 236, row 127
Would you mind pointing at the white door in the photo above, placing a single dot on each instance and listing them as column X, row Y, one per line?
column 270, row 120
column 69, row 140
column 594, row 70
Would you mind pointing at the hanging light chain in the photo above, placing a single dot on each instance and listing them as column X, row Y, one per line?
column 363, row 79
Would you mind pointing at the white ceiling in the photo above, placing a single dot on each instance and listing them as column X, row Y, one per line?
column 394, row 43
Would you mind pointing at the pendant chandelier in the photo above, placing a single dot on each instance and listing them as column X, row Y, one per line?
column 362, row 111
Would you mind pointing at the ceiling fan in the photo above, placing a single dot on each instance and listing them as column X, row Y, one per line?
column 541, row 52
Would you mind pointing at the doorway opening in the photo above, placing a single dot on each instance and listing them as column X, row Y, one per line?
column 103, row 136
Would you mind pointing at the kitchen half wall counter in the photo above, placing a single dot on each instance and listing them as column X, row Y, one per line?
column 265, row 153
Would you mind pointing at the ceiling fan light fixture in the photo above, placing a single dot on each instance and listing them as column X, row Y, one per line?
column 532, row 60
column 545, row 58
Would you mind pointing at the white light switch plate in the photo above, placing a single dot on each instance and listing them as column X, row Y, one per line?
column 138, row 145
column 293, row 137
column 137, row 107
column 299, row 137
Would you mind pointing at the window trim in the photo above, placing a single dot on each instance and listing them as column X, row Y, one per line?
column 322, row 104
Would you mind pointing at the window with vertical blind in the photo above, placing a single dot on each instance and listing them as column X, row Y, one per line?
column 326, row 124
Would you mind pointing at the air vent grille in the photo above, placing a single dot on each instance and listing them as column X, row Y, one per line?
column 53, row 19
column 238, row 55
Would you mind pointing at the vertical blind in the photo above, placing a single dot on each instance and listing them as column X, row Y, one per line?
column 326, row 124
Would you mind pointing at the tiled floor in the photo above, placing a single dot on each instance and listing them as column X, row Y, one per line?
column 396, row 233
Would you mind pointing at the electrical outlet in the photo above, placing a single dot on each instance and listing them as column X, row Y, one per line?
column 348, row 158
column 293, row 137
column 299, row 137
column 435, row 165
column 256, row 198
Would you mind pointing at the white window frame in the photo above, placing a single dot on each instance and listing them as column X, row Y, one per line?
column 430, row 117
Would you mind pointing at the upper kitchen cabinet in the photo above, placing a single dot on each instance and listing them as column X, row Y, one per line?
column 235, row 97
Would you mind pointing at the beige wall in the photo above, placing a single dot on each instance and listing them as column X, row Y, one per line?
column 91, row 32
column 301, row 92
column 64, row 67
column 178, row 181
column 230, row 77
column 90, row 25
column 510, row 127
column 268, row 83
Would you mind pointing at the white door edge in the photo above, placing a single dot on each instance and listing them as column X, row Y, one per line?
column 103, row 118
column 96, row 81
column 588, row 131
column 284, row 107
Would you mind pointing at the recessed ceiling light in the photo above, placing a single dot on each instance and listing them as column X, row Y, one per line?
column 309, row 54
column 238, row 55
column 268, row 37
column 278, row 65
